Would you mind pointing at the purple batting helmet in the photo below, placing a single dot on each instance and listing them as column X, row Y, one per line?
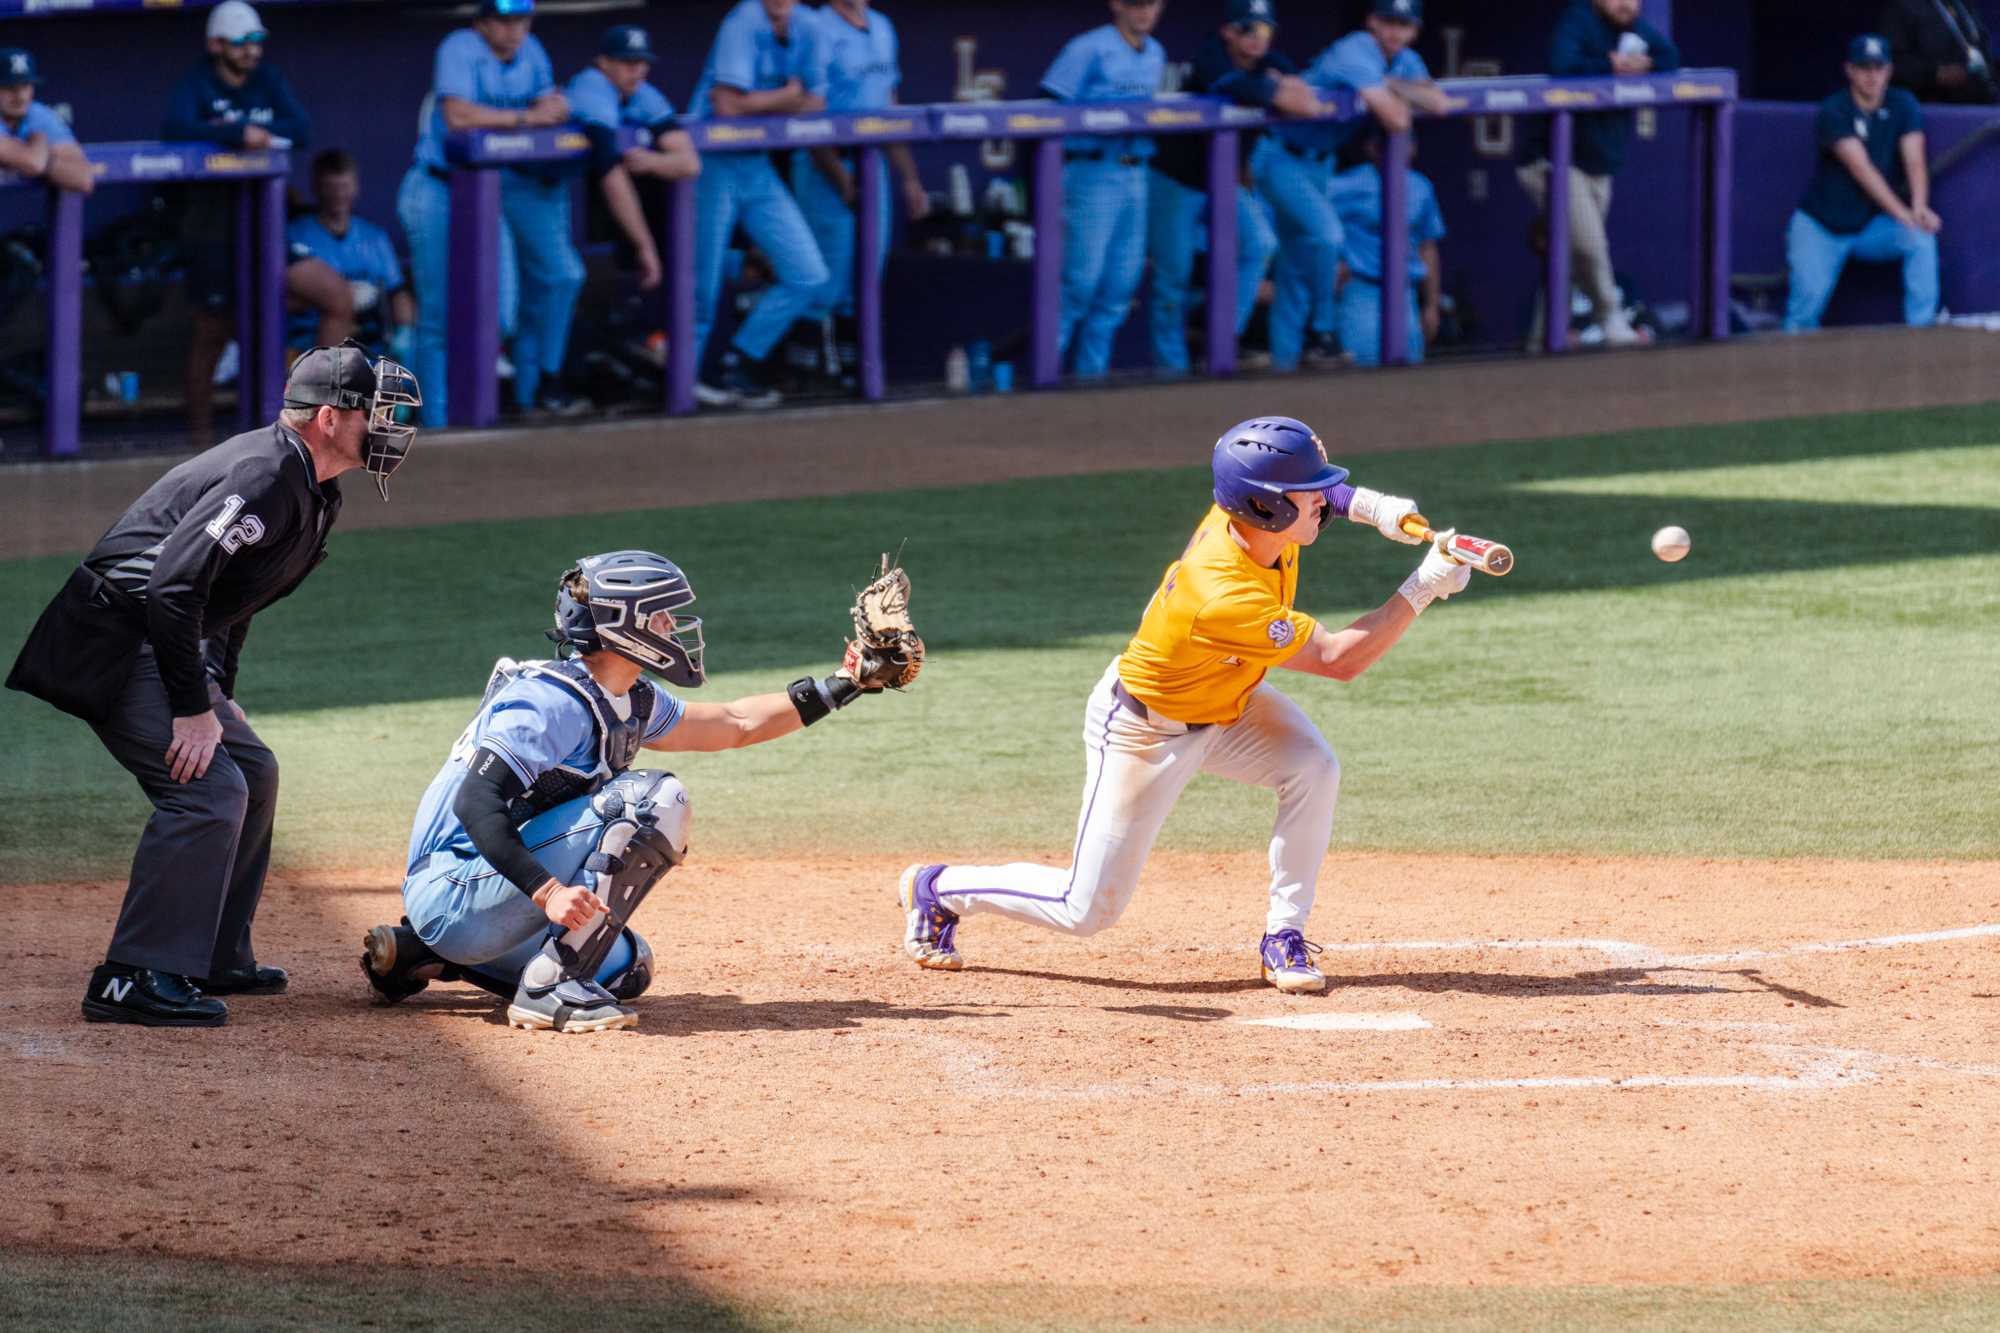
column 1258, row 460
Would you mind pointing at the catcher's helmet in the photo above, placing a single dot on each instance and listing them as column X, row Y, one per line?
column 1258, row 460
column 629, row 607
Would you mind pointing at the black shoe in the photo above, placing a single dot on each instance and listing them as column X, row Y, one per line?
column 551, row 400
column 744, row 378
column 397, row 963
column 252, row 980
column 1324, row 349
column 121, row 994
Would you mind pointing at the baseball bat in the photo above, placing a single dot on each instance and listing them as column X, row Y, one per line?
column 1488, row 557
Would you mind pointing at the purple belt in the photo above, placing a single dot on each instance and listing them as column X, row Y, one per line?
column 1128, row 701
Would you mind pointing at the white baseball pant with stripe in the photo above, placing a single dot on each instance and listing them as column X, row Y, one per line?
column 1135, row 769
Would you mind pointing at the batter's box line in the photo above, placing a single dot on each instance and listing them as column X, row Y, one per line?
column 1811, row 1069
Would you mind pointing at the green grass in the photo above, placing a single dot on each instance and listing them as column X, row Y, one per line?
column 61, row 1293
column 1816, row 679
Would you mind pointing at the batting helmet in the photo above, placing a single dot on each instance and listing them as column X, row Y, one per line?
column 1258, row 460
column 627, row 605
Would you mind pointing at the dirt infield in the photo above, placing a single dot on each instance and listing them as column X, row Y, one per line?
column 654, row 462
column 1527, row 1072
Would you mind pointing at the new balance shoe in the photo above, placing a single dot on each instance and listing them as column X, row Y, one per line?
column 251, row 980
column 568, row 1006
column 121, row 994
column 397, row 963
column 1288, row 964
column 929, row 929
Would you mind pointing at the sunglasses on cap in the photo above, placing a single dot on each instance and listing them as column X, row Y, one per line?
column 247, row 39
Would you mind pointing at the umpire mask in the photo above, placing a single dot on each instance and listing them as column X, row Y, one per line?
column 343, row 378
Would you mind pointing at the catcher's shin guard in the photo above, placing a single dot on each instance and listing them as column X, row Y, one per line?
column 645, row 834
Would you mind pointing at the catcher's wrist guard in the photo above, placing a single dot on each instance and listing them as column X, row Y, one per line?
column 816, row 698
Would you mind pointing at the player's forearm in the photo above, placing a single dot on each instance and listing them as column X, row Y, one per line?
column 1422, row 94
column 481, row 809
column 1344, row 654
column 1855, row 159
column 70, row 170
column 621, row 197
column 460, row 114
column 1917, row 170
column 764, row 102
column 827, row 161
column 1433, row 274
column 905, row 164
column 1391, row 111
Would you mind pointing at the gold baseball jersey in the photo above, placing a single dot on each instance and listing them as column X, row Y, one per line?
column 1217, row 624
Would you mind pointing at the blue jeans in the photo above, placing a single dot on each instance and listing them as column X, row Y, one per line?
column 744, row 187
column 1174, row 235
column 1360, row 310
column 1104, row 256
column 1816, row 256
column 1309, row 235
column 834, row 226
column 471, row 914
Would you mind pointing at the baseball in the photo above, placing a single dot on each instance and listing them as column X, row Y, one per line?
column 1671, row 543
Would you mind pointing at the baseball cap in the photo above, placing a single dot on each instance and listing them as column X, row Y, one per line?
column 627, row 41
column 338, row 377
column 1406, row 11
column 1241, row 12
column 509, row 9
column 17, row 67
column 1868, row 49
column 235, row 22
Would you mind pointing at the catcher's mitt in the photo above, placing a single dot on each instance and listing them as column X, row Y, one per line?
column 885, row 651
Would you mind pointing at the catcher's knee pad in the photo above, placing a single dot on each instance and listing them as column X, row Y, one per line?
column 645, row 834
column 628, row 968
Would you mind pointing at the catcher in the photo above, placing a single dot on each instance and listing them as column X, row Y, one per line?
column 537, row 840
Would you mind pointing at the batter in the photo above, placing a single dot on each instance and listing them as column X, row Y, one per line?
column 1188, row 695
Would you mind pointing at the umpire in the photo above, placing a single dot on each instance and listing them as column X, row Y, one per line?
column 142, row 643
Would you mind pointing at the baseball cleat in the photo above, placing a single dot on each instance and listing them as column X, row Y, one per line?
column 397, row 963
column 568, row 1006
column 929, row 930
column 1288, row 964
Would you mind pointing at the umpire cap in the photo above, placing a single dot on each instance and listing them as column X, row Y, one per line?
column 338, row 377
column 627, row 41
column 17, row 67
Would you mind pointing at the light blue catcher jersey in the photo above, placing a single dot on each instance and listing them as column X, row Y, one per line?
column 537, row 725
column 1101, row 66
column 747, row 55
column 1355, row 62
column 1357, row 198
column 364, row 254
column 466, row 68
column 594, row 100
column 40, row 119
column 862, row 64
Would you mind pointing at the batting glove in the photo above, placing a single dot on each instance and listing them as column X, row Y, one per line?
column 1438, row 576
column 1384, row 513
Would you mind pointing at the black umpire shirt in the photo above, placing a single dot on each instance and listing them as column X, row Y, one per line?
column 209, row 545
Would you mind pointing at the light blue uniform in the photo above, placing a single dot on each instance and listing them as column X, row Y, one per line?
column 40, row 119
column 463, row 908
column 744, row 187
column 365, row 254
column 1357, row 197
column 862, row 73
column 1104, row 192
column 1293, row 168
column 540, row 270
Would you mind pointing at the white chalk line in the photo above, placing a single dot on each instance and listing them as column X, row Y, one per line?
column 1342, row 1022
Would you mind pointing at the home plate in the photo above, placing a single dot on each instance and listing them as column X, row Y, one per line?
column 1404, row 1022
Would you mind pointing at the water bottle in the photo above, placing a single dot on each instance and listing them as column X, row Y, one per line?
column 979, row 365
column 957, row 371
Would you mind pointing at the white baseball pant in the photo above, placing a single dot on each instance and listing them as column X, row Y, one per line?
column 1135, row 769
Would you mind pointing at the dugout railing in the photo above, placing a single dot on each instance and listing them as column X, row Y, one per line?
column 473, row 326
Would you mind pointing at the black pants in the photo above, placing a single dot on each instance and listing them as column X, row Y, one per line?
column 199, row 870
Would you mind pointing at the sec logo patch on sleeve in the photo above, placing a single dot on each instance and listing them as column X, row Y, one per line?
column 1281, row 632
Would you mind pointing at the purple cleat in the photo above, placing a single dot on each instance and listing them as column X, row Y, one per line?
column 1288, row 964
column 929, row 928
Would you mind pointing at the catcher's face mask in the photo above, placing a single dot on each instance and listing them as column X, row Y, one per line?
column 636, row 606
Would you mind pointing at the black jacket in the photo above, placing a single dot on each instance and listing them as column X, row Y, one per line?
column 1925, row 34
column 1581, row 48
column 209, row 545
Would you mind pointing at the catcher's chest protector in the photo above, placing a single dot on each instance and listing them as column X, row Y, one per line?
column 617, row 739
